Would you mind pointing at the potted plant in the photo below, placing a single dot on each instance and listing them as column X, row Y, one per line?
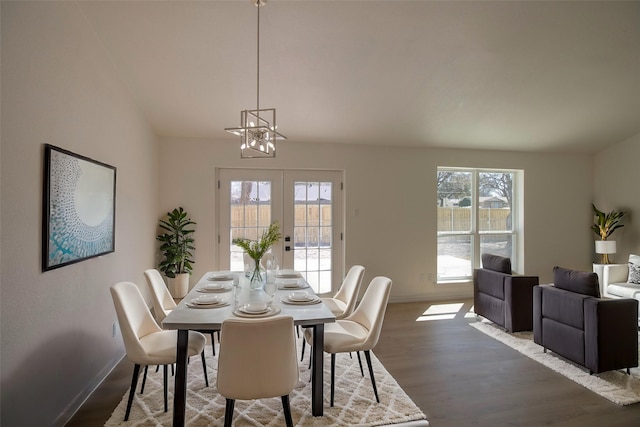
column 177, row 249
column 605, row 225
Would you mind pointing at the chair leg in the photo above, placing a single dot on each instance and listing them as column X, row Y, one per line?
column 204, row 368
column 360, row 363
column 333, row 376
column 228, row 412
column 213, row 344
column 287, row 410
column 304, row 342
column 134, row 384
column 144, row 379
column 373, row 379
column 164, row 378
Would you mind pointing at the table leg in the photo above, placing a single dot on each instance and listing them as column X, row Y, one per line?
column 317, row 370
column 180, row 392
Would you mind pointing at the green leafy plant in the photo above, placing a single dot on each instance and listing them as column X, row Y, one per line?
column 177, row 243
column 257, row 249
column 606, row 223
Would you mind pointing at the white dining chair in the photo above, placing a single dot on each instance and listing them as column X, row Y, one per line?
column 257, row 360
column 360, row 330
column 163, row 302
column 145, row 342
column 344, row 301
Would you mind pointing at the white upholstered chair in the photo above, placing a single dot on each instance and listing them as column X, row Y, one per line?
column 144, row 341
column 360, row 330
column 163, row 302
column 344, row 301
column 257, row 360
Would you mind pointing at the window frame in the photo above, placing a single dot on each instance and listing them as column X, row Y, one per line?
column 474, row 233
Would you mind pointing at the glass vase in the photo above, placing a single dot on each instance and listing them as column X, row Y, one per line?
column 256, row 281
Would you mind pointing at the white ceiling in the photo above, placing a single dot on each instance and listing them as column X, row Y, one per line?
column 530, row 76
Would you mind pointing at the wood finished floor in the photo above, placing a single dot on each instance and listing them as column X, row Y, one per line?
column 454, row 373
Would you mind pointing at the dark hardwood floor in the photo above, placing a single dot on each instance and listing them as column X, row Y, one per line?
column 455, row 374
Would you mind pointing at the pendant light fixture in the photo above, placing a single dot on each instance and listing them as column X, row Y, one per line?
column 257, row 128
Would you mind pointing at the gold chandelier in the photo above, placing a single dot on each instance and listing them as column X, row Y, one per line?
column 257, row 128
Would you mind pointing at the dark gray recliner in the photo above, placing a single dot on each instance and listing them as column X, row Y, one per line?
column 503, row 298
column 572, row 320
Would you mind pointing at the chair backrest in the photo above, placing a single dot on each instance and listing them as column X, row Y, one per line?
column 134, row 317
column 348, row 292
column 163, row 302
column 370, row 312
column 257, row 358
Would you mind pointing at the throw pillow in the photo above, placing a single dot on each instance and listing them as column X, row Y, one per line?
column 634, row 273
column 496, row 263
column 580, row 282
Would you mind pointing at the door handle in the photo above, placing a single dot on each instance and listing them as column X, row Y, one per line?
column 287, row 248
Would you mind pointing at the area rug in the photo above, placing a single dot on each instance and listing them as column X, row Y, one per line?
column 354, row 405
column 616, row 386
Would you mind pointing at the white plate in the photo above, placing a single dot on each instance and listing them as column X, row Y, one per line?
column 287, row 274
column 207, row 305
column 302, row 299
column 287, row 300
column 223, row 277
column 246, row 310
column 271, row 311
column 208, row 300
column 215, row 287
column 293, row 286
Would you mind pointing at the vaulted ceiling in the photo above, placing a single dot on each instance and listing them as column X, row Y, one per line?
column 524, row 76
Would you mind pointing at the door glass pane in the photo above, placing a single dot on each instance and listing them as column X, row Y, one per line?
column 312, row 233
column 250, row 215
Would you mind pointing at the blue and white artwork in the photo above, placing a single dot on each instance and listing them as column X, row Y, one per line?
column 81, row 211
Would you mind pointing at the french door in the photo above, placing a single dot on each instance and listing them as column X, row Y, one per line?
column 306, row 204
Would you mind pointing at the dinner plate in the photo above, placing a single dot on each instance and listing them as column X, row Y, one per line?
column 215, row 287
column 287, row 300
column 223, row 277
column 287, row 274
column 225, row 304
column 271, row 311
column 208, row 300
column 246, row 310
column 292, row 286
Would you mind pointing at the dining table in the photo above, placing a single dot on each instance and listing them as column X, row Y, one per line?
column 221, row 295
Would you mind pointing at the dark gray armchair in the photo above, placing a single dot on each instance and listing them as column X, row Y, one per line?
column 503, row 298
column 572, row 320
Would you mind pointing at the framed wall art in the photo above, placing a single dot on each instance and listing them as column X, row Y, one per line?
column 79, row 208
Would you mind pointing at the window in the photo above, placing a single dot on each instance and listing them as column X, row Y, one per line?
column 476, row 213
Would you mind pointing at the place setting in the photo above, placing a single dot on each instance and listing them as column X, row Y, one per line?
column 300, row 298
column 208, row 301
column 256, row 309
column 287, row 274
column 284, row 284
column 220, row 277
column 215, row 287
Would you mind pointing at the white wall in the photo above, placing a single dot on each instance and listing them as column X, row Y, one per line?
column 59, row 88
column 615, row 183
column 395, row 193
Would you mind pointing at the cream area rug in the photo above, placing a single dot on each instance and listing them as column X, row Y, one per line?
column 354, row 405
column 616, row 386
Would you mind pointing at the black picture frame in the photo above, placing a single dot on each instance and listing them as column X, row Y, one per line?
column 78, row 208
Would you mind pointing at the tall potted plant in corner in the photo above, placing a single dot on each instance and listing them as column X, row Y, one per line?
column 605, row 225
column 177, row 249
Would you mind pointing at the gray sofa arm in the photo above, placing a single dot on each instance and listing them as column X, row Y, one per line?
column 611, row 334
column 518, row 296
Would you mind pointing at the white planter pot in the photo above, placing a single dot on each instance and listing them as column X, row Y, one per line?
column 179, row 285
